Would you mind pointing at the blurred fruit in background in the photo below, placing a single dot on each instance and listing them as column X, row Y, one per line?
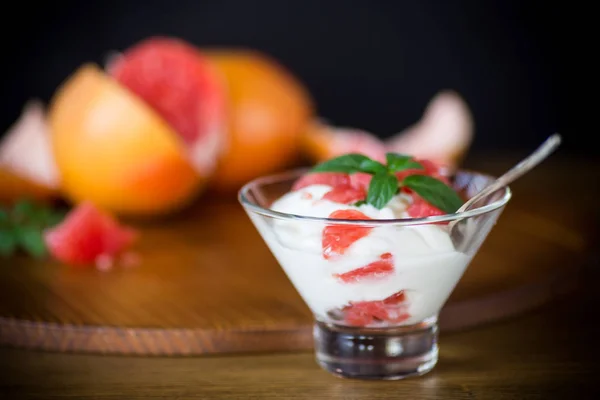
column 168, row 119
column 321, row 141
column 115, row 151
column 176, row 81
column 268, row 109
column 443, row 134
column 88, row 236
column 27, row 167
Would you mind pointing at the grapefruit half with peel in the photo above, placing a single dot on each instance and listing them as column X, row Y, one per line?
column 114, row 150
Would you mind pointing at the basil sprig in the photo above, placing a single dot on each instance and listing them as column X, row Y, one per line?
column 385, row 184
column 22, row 226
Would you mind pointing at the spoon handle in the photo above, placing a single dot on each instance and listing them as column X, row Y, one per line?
column 543, row 151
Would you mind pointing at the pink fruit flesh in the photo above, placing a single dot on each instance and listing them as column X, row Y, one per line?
column 321, row 178
column 345, row 194
column 87, row 235
column 174, row 79
column 338, row 238
column 25, row 149
column 392, row 309
column 375, row 270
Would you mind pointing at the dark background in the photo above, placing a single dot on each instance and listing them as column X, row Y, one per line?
column 371, row 64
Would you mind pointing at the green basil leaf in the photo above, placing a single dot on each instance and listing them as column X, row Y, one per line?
column 399, row 162
column 31, row 240
column 4, row 218
column 54, row 218
column 435, row 192
column 8, row 242
column 382, row 188
column 350, row 163
column 23, row 210
column 359, row 203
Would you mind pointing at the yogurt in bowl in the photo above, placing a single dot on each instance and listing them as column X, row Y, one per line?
column 420, row 262
column 369, row 249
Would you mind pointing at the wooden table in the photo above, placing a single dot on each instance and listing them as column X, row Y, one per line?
column 549, row 353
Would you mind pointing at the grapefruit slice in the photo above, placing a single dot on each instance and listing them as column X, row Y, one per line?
column 420, row 208
column 27, row 168
column 443, row 135
column 375, row 270
column 338, row 238
column 88, row 235
column 392, row 309
column 180, row 85
column 321, row 178
column 345, row 194
column 321, row 142
column 112, row 149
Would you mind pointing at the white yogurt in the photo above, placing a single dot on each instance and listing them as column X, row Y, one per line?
column 426, row 265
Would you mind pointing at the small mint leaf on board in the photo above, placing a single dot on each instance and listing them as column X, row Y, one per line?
column 400, row 162
column 4, row 218
column 435, row 192
column 8, row 242
column 350, row 164
column 23, row 210
column 382, row 188
column 22, row 226
column 31, row 240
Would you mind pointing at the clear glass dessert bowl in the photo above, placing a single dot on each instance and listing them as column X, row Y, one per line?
column 376, row 305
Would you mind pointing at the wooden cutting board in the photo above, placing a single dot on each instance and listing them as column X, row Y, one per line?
column 208, row 284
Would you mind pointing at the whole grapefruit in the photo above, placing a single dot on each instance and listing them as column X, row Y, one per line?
column 267, row 110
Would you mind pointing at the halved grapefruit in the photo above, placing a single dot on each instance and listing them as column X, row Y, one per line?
column 112, row 149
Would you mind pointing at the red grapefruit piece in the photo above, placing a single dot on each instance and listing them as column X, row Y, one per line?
column 364, row 313
column 421, row 208
column 345, row 194
column 88, row 235
column 177, row 82
column 322, row 178
column 375, row 270
column 361, row 180
column 395, row 299
column 392, row 309
column 429, row 168
column 338, row 238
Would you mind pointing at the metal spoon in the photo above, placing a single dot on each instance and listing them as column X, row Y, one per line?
column 541, row 153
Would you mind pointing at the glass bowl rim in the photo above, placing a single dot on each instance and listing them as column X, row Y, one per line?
column 265, row 179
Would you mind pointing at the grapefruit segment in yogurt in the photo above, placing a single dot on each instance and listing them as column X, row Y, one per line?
column 382, row 270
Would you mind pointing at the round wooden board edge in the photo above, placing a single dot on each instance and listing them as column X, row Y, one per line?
column 454, row 317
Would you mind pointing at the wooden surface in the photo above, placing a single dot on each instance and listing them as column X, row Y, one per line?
column 544, row 355
column 208, row 284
